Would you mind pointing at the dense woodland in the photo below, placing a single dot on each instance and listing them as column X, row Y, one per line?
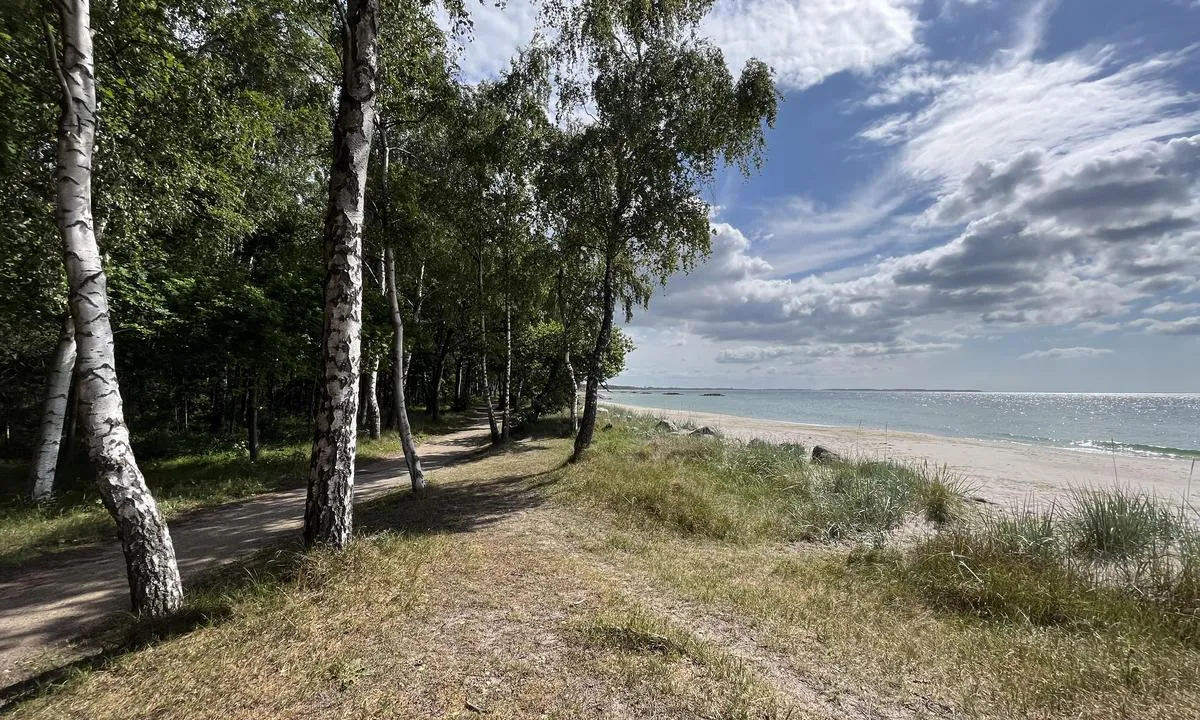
column 260, row 215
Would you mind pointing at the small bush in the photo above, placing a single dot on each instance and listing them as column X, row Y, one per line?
column 851, row 499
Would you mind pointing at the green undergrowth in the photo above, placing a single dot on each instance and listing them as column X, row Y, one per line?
column 185, row 471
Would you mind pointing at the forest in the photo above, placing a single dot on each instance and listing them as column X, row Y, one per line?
column 248, row 219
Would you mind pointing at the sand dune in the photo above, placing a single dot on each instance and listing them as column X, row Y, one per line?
column 999, row 471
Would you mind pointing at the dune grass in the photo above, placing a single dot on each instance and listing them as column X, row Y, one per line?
column 184, row 471
column 744, row 492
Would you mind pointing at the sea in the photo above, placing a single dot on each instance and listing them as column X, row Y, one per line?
column 1146, row 424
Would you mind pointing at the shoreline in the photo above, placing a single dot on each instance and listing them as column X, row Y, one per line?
column 1004, row 472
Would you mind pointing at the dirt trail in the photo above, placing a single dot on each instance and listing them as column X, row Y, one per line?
column 45, row 606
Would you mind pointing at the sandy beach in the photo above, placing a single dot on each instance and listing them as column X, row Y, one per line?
column 998, row 471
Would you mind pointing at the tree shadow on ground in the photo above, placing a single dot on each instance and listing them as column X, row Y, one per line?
column 451, row 508
column 458, row 507
column 210, row 600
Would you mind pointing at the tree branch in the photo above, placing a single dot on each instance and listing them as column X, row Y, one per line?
column 55, row 61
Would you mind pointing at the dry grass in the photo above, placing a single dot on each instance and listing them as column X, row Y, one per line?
column 510, row 591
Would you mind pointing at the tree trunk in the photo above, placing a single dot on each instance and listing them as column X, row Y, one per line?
column 329, row 509
column 416, row 314
column 483, row 368
column 252, row 415
column 587, row 426
column 415, row 473
column 574, row 393
column 463, row 400
column 504, row 427
column 54, row 413
column 154, row 584
column 371, row 396
column 433, row 403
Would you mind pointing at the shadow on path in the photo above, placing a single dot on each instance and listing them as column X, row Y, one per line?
column 47, row 605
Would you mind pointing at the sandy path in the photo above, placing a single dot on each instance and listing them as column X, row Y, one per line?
column 1001, row 472
column 45, row 606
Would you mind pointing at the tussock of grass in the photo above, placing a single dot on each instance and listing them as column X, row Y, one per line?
column 1119, row 523
column 979, row 574
column 676, row 668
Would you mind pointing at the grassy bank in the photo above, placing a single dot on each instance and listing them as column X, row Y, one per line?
column 677, row 577
column 185, row 472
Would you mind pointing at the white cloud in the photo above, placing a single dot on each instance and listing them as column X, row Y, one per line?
column 1183, row 326
column 497, row 34
column 1073, row 108
column 806, row 41
column 1170, row 307
column 1066, row 353
column 752, row 354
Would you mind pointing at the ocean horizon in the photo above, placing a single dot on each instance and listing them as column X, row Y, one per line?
column 1149, row 424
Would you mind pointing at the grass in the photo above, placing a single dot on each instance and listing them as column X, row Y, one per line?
column 661, row 577
column 1088, row 609
column 1120, row 523
column 185, row 472
column 744, row 492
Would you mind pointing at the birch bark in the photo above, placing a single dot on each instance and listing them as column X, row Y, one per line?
column 54, row 414
column 329, row 509
column 587, row 425
column 415, row 473
column 154, row 584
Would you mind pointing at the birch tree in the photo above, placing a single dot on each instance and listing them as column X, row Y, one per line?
column 329, row 509
column 54, row 413
column 667, row 113
column 155, row 586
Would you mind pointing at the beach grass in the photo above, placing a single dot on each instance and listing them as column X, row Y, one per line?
column 748, row 491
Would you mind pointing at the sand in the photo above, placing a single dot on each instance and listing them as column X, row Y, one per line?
column 1001, row 472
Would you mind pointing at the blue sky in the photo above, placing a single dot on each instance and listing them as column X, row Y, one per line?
column 957, row 194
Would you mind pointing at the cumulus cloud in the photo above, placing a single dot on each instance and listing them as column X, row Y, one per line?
column 1045, row 248
column 495, row 36
column 1065, row 353
column 806, row 41
column 1076, row 108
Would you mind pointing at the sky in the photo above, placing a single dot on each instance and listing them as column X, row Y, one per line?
column 986, row 194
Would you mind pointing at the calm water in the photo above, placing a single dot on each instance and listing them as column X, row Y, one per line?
column 1142, row 424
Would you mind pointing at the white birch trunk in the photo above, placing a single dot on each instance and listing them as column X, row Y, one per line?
column 574, row 393
column 415, row 473
column 506, row 420
column 483, row 368
column 329, row 509
column 371, row 396
column 154, row 582
column 54, row 414
column 416, row 315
